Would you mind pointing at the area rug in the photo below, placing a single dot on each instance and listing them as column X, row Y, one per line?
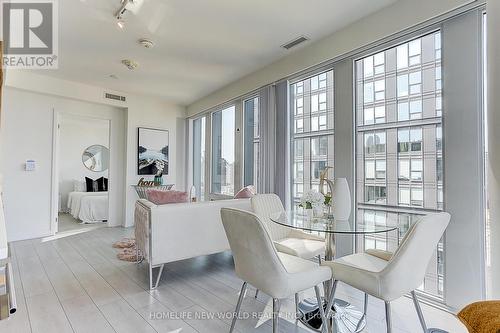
column 128, row 250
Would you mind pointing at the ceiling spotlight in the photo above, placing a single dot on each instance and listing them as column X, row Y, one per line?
column 130, row 64
column 113, row 76
column 121, row 24
column 122, row 10
column 147, row 43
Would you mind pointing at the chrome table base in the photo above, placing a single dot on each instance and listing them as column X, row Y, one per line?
column 346, row 318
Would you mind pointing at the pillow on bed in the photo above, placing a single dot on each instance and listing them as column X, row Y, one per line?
column 79, row 186
column 102, row 184
column 167, row 197
column 91, row 184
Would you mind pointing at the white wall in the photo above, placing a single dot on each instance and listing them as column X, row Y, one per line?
column 392, row 19
column 160, row 115
column 35, row 95
column 77, row 133
column 493, row 21
column 27, row 134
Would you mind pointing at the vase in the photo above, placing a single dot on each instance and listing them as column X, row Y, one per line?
column 318, row 211
column 309, row 213
column 341, row 200
column 158, row 180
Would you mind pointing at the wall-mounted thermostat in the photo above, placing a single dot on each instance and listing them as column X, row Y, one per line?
column 30, row 165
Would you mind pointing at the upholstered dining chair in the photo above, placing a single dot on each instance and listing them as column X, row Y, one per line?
column 286, row 240
column 257, row 262
column 391, row 278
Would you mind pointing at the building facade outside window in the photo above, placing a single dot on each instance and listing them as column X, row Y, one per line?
column 312, row 140
column 399, row 140
column 251, row 142
column 223, row 142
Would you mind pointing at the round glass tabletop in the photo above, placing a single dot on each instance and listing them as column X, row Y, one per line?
column 298, row 220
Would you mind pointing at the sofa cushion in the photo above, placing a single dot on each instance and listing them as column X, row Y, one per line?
column 167, row 197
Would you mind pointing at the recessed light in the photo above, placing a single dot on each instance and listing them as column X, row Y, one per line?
column 130, row 64
column 147, row 43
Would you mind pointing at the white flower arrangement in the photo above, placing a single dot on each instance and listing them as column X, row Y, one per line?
column 312, row 199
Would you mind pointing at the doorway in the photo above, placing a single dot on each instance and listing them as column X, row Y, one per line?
column 81, row 173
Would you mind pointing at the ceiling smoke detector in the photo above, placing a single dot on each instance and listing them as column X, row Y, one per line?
column 147, row 43
column 130, row 64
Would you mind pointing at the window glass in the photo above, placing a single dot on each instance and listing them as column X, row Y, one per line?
column 251, row 142
column 199, row 158
column 312, row 132
column 223, row 135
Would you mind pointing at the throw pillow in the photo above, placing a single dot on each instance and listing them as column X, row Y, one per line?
column 246, row 192
column 166, row 197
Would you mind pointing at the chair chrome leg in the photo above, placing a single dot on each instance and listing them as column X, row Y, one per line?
column 419, row 311
column 256, row 293
column 321, row 310
column 297, row 312
column 319, row 259
column 276, row 312
column 388, row 317
column 365, row 307
column 238, row 306
column 331, row 299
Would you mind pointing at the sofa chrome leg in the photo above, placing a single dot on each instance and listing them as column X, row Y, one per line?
column 388, row 317
column 159, row 275
column 256, row 293
column 419, row 311
column 150, row 276
column 238, row 306
column 276, row 314
column 321, row 310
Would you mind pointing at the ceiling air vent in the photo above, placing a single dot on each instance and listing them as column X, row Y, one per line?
column 115, row 97
column 294, row 42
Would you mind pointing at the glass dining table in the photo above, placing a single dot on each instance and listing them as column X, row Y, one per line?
column 346, row 317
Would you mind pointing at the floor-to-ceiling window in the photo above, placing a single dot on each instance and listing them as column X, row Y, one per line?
column 199, row 157
column 312, row 145
column 251, row 142
column 223, row 152
column 399, row 127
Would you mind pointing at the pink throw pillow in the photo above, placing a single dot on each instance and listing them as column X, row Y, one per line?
column 167, row 197
column 246, row 192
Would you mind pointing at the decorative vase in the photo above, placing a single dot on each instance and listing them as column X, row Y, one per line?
column 341, row 201
column 309, row 213
column 318, row 211
column 158, row 180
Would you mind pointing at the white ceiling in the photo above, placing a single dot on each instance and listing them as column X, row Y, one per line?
column 201, row 45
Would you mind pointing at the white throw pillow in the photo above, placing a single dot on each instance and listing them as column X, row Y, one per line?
column 79, row 186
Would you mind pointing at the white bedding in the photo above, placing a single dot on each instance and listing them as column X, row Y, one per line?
column 89, row 207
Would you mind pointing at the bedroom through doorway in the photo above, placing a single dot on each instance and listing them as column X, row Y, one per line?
column 82, row 169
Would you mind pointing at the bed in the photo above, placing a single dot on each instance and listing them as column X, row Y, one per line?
column 89, row 207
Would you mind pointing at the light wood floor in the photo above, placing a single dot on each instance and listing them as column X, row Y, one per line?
column 76, row 284
column 69, row 223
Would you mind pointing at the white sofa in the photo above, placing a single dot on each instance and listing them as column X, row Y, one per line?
column 172, row 232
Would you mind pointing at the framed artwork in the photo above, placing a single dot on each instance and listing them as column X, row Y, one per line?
column 152, row 151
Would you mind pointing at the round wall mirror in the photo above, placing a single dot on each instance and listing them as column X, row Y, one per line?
column 96, row 158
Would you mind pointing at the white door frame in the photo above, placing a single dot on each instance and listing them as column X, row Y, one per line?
column 54, row 211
